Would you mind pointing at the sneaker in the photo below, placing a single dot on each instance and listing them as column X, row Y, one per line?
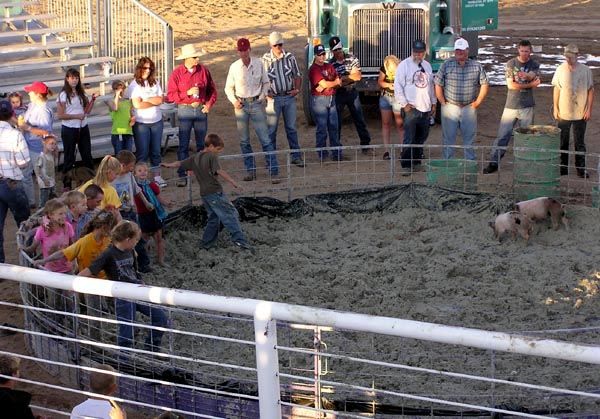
column 243, row 246
column 298, row 162
column 249, row 177
column 491, row 168
column 181, row 182
column 161, row 182
column 386, row 155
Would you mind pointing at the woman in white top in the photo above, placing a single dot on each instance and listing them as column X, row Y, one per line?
column 71, row 109
column 146, row 96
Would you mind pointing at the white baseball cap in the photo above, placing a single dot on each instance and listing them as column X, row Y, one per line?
column 461, row 44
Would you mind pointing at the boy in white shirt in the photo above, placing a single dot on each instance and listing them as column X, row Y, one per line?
column 100, row 408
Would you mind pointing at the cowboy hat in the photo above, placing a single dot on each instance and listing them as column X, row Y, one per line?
column 189, row 51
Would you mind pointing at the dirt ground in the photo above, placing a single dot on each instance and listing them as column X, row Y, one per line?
column 547, row 23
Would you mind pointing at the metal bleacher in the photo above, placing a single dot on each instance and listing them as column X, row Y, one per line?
column 38, row 43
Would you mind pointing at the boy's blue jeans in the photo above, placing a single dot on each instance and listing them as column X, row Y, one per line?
column 220, row 210
column 121, row 142
column 125, row 310
column 190, row 118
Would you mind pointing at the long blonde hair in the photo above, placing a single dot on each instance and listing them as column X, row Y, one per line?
column 107, row 163
column 390, row 63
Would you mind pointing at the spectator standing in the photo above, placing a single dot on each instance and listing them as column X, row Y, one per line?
column 461, row 85
column 192, row 88
column 388, row 105
column 573, row 100
column 121, row 113
column 413, row 88
column 522, row 76
column 36, row 124
column 102, row 383
column 146, row 97
column 15, row 403
column 347, row 67
column 14, row 157
column 71, row 108
column 246, row 88
column 285, row 82
column 323, row 81
column 45, row 170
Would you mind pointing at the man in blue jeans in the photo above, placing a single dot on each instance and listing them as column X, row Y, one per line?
column 246, row 88
column 285, row 78
column 205, row 166
column 14, row 156
column 192, row 88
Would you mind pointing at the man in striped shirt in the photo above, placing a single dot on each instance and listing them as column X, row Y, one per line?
column 14, row 156
column 461, row 85
column 284, row 85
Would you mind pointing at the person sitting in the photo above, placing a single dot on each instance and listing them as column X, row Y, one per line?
column 103, row 384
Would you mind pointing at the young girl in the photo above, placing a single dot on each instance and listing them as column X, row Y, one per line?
column 151, row 220
column 16, row 100
column 108, row 170
column 44, row 170
column 71, row 109
column 119, row 264
column 54, row 234
column 122, row 117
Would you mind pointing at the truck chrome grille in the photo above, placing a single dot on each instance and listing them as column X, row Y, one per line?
column 376, row 33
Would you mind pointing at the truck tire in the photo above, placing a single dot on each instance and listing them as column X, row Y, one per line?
column 310, row 120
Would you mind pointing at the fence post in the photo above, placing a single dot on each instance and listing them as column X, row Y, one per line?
column 267, row 361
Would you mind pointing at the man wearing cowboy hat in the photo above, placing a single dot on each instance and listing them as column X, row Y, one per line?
column 192, row 88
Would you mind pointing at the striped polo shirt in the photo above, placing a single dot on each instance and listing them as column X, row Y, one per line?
column 281, row 72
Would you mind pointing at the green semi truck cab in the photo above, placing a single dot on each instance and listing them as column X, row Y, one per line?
column 372, row 29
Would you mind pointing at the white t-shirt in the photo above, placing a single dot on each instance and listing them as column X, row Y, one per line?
column 148, row 115
column 73, row 108
column 97, row 409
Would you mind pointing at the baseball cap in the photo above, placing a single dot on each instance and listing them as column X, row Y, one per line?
column 37, row 87
column 319, row 49
column 6, row 110
column 275, row 38
column 571, row 49
column 335, row 43
column 419, row 46
column 461, row 44
column 243, row 44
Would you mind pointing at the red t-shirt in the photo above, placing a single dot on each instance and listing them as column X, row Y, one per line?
column 316, row 73
column 139, row 205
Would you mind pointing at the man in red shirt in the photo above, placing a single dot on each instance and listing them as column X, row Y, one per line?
column 192, row 88
column 323, row 81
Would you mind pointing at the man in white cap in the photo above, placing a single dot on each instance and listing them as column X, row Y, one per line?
column 461, row 85
column 573, row 100
column 192, row 88
column 285, row 80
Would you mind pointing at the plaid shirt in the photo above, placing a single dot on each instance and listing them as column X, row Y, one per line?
column 281, row 72
column 461, row 83
column 14, row 153
column 349, row 64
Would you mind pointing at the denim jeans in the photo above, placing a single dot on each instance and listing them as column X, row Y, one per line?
column 255, row 112
column 416, row 131
column 148, row 139
column 140, row 248
column 13, row 198
column 190, row 118
column 579, row 127
column 350, row 98
column 456, row 117
column 285, row 105
column 221, row 211
column 510, row 118
column 121, row 142
column 28, row 178
column 326, row 119
column 125, row 311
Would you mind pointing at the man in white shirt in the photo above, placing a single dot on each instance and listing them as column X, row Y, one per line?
column 103, row 384
column 14, row 156
column 247, row 87
column 414, row 91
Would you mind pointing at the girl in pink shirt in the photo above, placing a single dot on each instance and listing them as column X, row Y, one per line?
column 52, row 235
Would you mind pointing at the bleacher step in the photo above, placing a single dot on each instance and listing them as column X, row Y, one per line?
column 7, row 68
column 37, row 31
column 22, row 18
column 11, row 4
column 28, row 47
column 59, row 83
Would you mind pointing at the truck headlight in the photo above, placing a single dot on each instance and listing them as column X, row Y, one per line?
column 443, row 54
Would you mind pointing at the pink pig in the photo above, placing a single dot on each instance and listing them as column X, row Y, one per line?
column 511, row 222
column 540, row 209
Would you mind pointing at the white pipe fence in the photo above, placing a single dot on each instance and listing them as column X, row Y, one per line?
column 266, row 314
